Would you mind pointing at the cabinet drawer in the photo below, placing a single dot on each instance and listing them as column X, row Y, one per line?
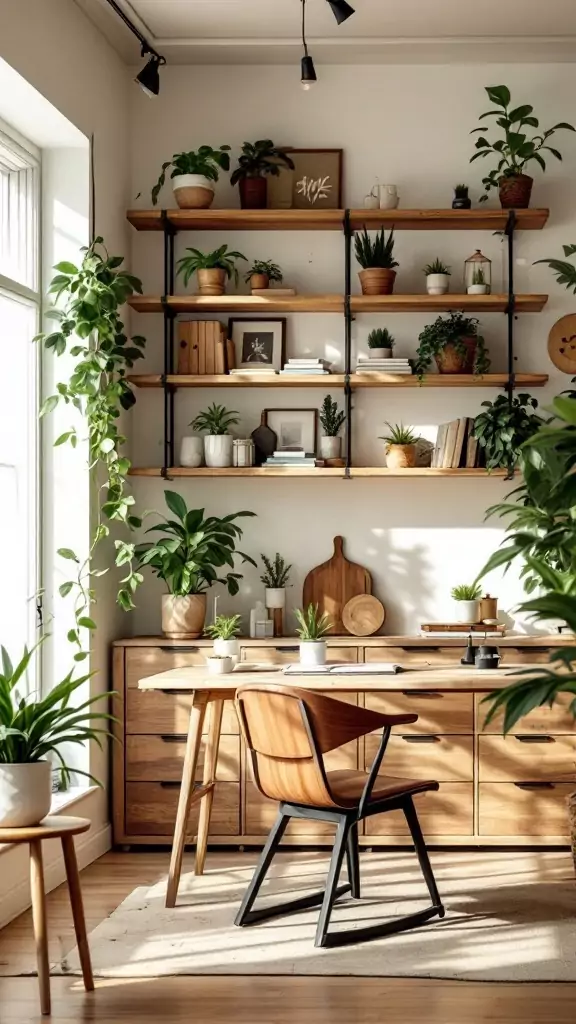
column 413, row 756
column 415, row 656
column 149, row 661
column 524, row 655
column 291, row 654
column 506, row 809
column 160, row 758
column 448, row 812
column 165, row 712
column 438, row 713
column 151, row 809
column 527, row 758
column 556, row 719
column 261, row 815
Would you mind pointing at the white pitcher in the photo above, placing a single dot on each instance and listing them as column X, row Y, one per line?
column 387, row 196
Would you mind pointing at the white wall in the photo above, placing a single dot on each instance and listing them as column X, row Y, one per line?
column 408, row 125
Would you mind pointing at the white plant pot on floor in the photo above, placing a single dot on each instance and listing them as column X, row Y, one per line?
column 437, row 284
column 218, row 450
column 380, row 353
column 193, row 191
column 466, row 611
column 330, row 447
column 25, row 793
column 227, row 648
column 192, row 451
column 312, row 652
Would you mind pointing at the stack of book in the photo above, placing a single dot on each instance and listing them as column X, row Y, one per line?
column 291, row 457
column 391, row 366
column 461, row 630
column 296, row 367
column 456, row 447
column 254, row 371
column 203, row 348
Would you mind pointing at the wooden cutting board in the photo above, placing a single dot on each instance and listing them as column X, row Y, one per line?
column 363, row 615
column 332, row 584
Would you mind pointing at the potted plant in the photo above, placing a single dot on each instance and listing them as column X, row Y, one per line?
column 454, row 344
column 275, row 579
column 437, row 277
column 380, row 343
column 216, row 421
column 188, row 558
column 377, row 261
column 504, row 427
column 400, row 446
column 213, row 269
column 478, row 286
column 219, row 664
column 461, row 199
column 224, row 632
column 515, row 150
column 193, row 175
column 331, row 420
column 256, row 161
column 312, row 628
column 34, row 730
column 261, row 273
column 466, row 597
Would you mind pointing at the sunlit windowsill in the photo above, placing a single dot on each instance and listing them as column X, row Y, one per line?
column 62, row 802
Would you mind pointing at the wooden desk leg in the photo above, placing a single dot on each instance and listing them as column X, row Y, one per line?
column 40, row 925
column 209, row 779
column 77, row 910
column 197, row 713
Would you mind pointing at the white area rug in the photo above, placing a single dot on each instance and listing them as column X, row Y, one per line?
column 510, row 917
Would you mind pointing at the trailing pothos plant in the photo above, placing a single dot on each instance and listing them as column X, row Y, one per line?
column 89, row 328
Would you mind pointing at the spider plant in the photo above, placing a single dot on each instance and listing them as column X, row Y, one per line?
column 466, row 592
column 312, row 626
column 399, row 434
column 437, row 267
column 380, row 337
column 219, row 259
column 224, row 627
column 216, row 419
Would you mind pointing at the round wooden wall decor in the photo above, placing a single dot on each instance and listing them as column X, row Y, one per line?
column 562, row 344
column 363, row 615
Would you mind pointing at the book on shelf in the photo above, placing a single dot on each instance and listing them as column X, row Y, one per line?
column 305, row 361
column 388, row 371
column 456, row 447
column 305, row 371
column 255, row 371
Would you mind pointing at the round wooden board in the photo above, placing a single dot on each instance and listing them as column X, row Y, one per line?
column 562, row 343
column 363, row 615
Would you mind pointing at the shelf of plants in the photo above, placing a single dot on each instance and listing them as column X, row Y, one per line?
column 312, row 474
column 254, row 304
column 338, row 380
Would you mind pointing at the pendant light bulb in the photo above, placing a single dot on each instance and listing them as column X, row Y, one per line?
column 308, row 74
column 341, row 10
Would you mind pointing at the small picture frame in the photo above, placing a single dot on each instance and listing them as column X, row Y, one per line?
column 314, row 184
column 294, row 428
column 259, row 344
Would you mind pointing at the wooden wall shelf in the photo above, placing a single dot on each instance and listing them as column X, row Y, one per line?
column 444, row 303
column 255, row 304
column 357, row 380
column 314, row 474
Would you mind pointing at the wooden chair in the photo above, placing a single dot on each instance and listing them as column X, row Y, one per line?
column 287, row 731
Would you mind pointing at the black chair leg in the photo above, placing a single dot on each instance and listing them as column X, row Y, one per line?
column 422, row 854
column 274, row 839
column 352, row 861
column 331, row 893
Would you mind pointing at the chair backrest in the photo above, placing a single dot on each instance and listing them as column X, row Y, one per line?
column 288, row 729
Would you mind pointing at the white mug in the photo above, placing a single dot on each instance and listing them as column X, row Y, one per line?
column 191, row 451
column 388, row 196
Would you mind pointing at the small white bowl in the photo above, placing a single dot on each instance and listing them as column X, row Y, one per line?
column 219, row 666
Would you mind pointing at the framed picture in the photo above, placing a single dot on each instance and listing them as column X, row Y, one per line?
column 294, row 428
column 315, row 183
column 259, row 344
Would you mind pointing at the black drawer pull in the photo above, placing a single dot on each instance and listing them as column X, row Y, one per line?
column 170, row 785
column 287, row 650
column 421, row 739
column 535, row 739
column 425, row 694
column 534, row 785
column 176, row 738
column 175, row 693
column 179, row 650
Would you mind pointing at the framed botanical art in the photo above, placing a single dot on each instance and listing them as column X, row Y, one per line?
column 259, row 344
column 294, row 428
column 314, row 184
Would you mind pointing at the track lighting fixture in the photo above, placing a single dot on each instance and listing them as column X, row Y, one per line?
column 148, row 78
column 341, row 10
column 308, row 71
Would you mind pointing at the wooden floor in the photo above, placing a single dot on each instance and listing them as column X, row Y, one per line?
column 244, row 1000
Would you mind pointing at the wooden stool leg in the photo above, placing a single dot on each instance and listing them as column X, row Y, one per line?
column 40, row 924
column 77, row 910
column 208, row 779
column 197, row 712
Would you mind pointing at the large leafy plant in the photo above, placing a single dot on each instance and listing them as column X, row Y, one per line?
column 258, row 159
column 194, row 550
column 516, row 149
column 504, row 427
column 565, row 272
column 451, row 330
column 89, row 327
column 206, row 161
column 219, row 259
column 377, row 253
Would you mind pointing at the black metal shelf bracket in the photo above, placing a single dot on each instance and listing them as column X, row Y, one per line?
column 348, row 318
column 511, row 317
column 169, row 318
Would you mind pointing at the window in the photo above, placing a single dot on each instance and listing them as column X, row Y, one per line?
column 19, row 390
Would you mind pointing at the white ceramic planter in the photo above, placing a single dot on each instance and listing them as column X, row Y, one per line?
column 219, row 666
column 380, row 353
column 218, row 450
column 437, row 284
column 227, row 649
column 477, row 289
column 312, row 652
column 193, row 191
column 466, row 611
column 25, row 793
column 275, row 597
column 192, row 451
column 330, row 447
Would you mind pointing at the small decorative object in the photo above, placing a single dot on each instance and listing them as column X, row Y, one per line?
column 380, row 343
column 193, row 175
column 275, row 579
column 562, row 344
column 211, row 268
column 331, row 421
column 257, row 160
column 259, row 344
column 371, row 201
column 315, row 183
column 261, row 625
column 387, row 196
column 504, row 427
column 437, row 277
column 265, row 441
column 400, row 447
column 461, row 199
column 478, row 274
column 216, row 420
column 191, row 451
column 469, row 657
column 487, row 657
column 454, row 344
column 243, row 452
column 311, row 629
column 466, row 597
column 363, row 615
column 219, row 664
column 488, row 609
column 224, row 632
column 377, row 261
column 261, row 273
column 515, row 151
column 294, row 428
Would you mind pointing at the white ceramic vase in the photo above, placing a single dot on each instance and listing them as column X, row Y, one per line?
column 477, row 289
column 193, row 191
column 380, row 353
column 219, row 666
column 275, row 597
column 218, row 450
column 227, row 648
column 330, row 447
column 192, row 451
column 466, row 611
column 25, row 793
column 312, row 652
column 437, row 284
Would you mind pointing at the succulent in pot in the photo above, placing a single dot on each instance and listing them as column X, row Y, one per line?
column 219, row 664
column 377, row 261
column 261, row 273
column 380, row 343
column 331, row 420
column 466, row 597
column 256, row 161
column 454, row 344
column 479, row 284
column 224, row 632
column 516, row 150
column 216, row 421
column 194, row 175
column 189, row 556
column 213, row 269
column 312, row 628
column 461, row 199
column 400, row 444
column 505, row 427
column 437, row 277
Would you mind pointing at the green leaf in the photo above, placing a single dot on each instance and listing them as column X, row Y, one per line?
column 176, row 504
column 63, row 438
column 68, row 554
column 86, row 622
column 65, row 588
column 66, row 268
column 49, row 404
column 499, row 94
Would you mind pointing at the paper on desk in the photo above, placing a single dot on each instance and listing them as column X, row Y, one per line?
column 373, row 668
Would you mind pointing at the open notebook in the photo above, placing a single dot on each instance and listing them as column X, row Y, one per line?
column 373, row 668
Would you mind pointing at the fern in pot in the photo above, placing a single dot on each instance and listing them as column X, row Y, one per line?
column 376, row 258
column 216, row 421
column 194, row 174
column 194, row 553
column 312, row 629
column 224, row 632
column 331, row 419
column 380, row 343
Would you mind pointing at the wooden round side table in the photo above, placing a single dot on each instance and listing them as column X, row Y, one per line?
column 64, row 829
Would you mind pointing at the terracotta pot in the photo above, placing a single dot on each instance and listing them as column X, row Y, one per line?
column 377, row 281
column 400, row 456
column 183, row 617
column 211, row 282
column 515, row 192
column 193, row 191
column 449, row 360
column 259, row 281
column 253, row 193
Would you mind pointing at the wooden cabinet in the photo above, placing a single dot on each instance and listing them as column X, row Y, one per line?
column 530, row 758
column 160, row 759
column 447, row 812
column 524, row 809
column 438, row 713
column 548, row 721
column 151, row 809
column 289, row 655
column 413, row 756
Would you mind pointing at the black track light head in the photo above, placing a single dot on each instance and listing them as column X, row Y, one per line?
column 149, row 78
column 308, row 76
column 341, row 10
